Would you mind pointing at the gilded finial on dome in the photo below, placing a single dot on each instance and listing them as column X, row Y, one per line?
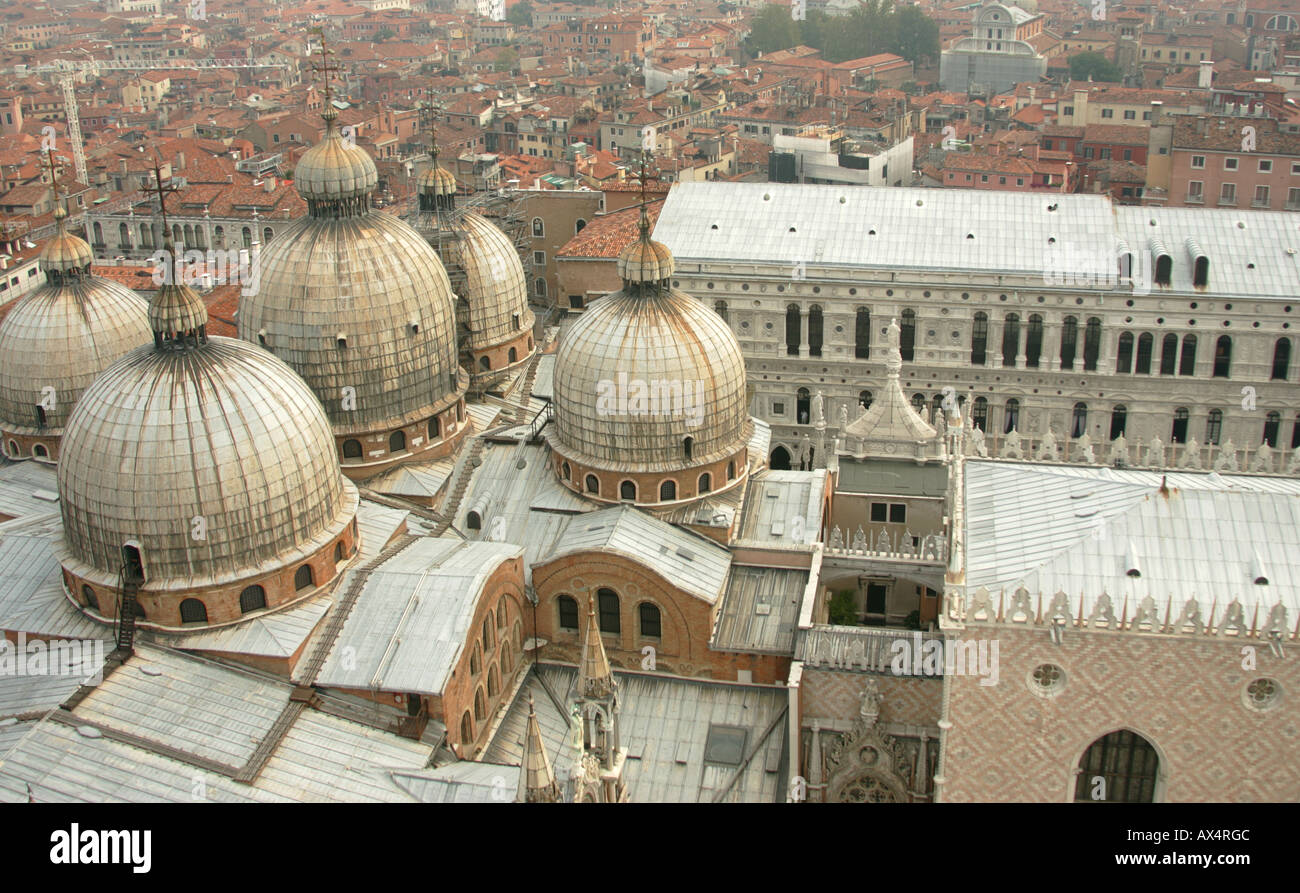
column 65, row 256
column 325, row 67
column 436, row 186
column 645, row 264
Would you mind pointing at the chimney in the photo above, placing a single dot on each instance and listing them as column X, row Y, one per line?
column 122, row 164
column 180, row 160
column 1206, row 74
column 269, row 184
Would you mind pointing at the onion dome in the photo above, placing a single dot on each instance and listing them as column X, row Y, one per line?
column 436, row 181
column 360, row 306
column 211, row 461
column 335, row 169
column 57, row 339
column 649, row 381
column 495, row 288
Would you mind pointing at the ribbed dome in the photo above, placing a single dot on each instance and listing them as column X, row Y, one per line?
column 335, row 168
column 645, row 261
column 661, row 338
column 495, row 287
column 63, row 335
column 224, row 432
column 176, row 307
column 436, row 181
column 358, row 302
column 65, row 251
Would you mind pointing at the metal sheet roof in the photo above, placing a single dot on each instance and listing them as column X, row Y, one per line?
column 19, row 484
column 974, row 231
column 407, row 628
column 32, row 599
column 690, row 562
column 760, row 609
column 464, row 782
column 781, row 504
column 664, row 722
column 1070, row 528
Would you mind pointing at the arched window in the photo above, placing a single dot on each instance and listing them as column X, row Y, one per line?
column 248, row 237
column 1214, row 426
column 1281, row 359
column 577, row 227
column 123, row 235
column 568, row 475
column 731, row 470
column 267, row 235
column 1272, row 422
column 667, row 491
column 539, row 228
column 980, row 414
column 720, row 308
column 397, row 442
column 539, row 286
column 593, row 484
column 777, row 460
column 793, row 330
column 1222, row 357
column 1034, row 341
column 1010, row 339
column 706, row 483
column 1178, row 434
column 40, row 452
column 351, row 449
column 1118, row 421
column 480, row 705
column 466, row 732
column 688, row 447
column 193, row 611
column 489, row 642
column 979, row 339
column 607, row 611
column 862, row 334
column 907, row 335
column 1187, row 362
column 475, row 663
column 918, row 403
column 434, row 428
column 1295, row 432
column 1013, row 416
column 1069, row 341
column 1124, row 355
column 88, row 595
column 1121, row 767
column 627, row 490
column 1168, row 354
column 803, row 405
column 568, row 611
column 219, row 237
column 485, row 363
column 651, row 627
column 512, row 355
column 253, row 598
column 1091, row 344
column 1143, row 365
column 864, row 399
column 936, row 405
column 1079, row 423
column 494, row 682
column 303, row 578
column 815, row 331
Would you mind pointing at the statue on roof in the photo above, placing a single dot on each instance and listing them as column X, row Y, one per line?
column 1227, row 458
column 1263, row 461
column 818, row 406
column 844, row 417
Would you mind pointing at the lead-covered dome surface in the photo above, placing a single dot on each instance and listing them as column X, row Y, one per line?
column 361, row 303
column 222, row 440
column 667, row 346
column 495, row 287
column 63, row 335
column 436, row 181
column 335, row 168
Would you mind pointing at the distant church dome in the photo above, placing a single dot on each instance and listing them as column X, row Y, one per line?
column 57, row 339
column 650, row 393
column 436, row 181
column 359, row 305
column 206, row 465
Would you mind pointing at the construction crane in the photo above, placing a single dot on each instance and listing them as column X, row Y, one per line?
column 67, row 71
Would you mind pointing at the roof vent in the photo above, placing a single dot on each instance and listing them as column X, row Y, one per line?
column 89, row 732
column 150, row 670
column 1131, row 566
column 1257, row 573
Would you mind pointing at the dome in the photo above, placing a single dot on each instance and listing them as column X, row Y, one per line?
column 641, row 373
column 63, row 335
column 335, row 168
column 494, row 288
column 436, row 181
column 359, row 302
column 65, row 252
column 645, row 261
column 222, row 432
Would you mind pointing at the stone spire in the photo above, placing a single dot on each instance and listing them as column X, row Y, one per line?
column 536, row 780
column 596, row 680
column 892, row 428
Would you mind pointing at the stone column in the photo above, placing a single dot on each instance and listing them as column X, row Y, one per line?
column 1050, row 356
column 1022, row 343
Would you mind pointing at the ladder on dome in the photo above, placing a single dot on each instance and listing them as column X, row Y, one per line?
column 128, row 584
column 544, row 415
